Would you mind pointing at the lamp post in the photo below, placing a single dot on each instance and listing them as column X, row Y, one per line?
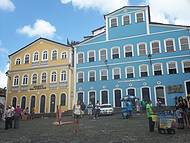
column 150, row 58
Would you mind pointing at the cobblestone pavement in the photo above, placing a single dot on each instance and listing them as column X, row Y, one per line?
column 107, row 129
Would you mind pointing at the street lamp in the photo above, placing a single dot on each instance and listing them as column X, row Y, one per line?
column 150, row 58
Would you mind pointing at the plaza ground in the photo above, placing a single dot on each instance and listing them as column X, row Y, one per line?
column 106, row 129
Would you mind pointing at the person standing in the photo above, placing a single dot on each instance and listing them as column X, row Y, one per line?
column 58, row 115
column 17, row 116
column 97, row 109
column 150, row 112
column 90, row 110
column 77, row 114
column 8, row 118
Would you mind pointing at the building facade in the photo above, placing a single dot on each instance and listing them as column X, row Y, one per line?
column 40, row 76
column 131, row 55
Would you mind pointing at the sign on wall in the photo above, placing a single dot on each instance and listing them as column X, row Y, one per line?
column 175, row 89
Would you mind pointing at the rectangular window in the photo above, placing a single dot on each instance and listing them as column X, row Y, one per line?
column 91, row 56
column 184, row 43
column 169, row 46
column 157, row 69
column 130, row 72
column 104, row 74
column 186, row 66
column 126, row 20
column 139, row 17
column 128, row 51
column 103, row 54
column 116, row 73
column 91, row 76
column 80, row 58
column 80, row 77
column 155, row 47
column 172, row 68
column 115, row 53
column 142, row 49
column 104, row 97
column 144, row 70
column 113, row 22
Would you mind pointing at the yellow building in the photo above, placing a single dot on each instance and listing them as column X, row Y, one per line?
column 40, row 76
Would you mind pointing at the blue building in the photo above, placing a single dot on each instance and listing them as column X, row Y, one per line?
column 131, row 55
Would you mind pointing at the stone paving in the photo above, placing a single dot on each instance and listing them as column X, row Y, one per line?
column 106, row 129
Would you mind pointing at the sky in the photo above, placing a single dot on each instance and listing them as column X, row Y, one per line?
column 23, row 21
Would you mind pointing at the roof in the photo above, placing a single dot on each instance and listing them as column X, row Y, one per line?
column 98, row 28
column 36, row 41
column 157, row 23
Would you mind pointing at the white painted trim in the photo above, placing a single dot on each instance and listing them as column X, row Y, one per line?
column 59, row 98
column 30, row 102
column 101, row 74
column 151, row 51
column 23, row 79
column 123, row 19
column 149, row 91
column 70, row 89
column 18, row 58
column 155, row 96
column 186, row 87
column 82, row 95
column 173, row 44
column 114, row 73
column 161, row 68
column 107, row 95
column 50, row 102
column 75, row 77
column 138, row 52
column 114, row 96
column 147, row 69
column 88, row 52
column 107, row 25
column 40, row 102
column 33, row 56
column 82, row 56
column 82, row 75
column 110, row 21
column 51, row 76
column 100, row 55
column 43, row 54
column 132, row 49
column 17, row 101
column 139, row 13
column 182, row 63
column 126, row 71
column 66, row 52
column 115, row 47
column 25, row 101
column 18, row 80
column 46, row 77
column 147, row 21
column 138, row 61
column 52, row 54
column 24, row 58
column 180, row 42
column 89, row 96
column 89, row 75
column 167, row 64
column 66, row 72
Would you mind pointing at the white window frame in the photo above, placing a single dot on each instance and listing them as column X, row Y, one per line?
column 32, row 78
column 34, row 55
column 140, row 70
column 82, row 76
column 43, row 54
column 52, row 54
column 23, row 79
column 89, row 96
column 131, row 48
column 138, row 52
column 83, row 58
column 89, row 75
column 110, row 21
column 62, row 54
column 129, row 19
column 173, row 44
column 113, row 73
column 114, row 96
column 100, row 54
column 151, row 51
column 88, row 55
column 131, row 88
column 14, row 80
column 180, row 42
column 17, row 60
column 101, row 74
column 83, row 93
column 46, row 78
column 136, row 16
column 126, row 71
column 161, row 69
column 51, row 77
column 155, row 96
column 25, row 57
column 167, row 64
column 149, row 91
column 65, row 76
column 182, row 63
column 101, row 95
column 112, row 51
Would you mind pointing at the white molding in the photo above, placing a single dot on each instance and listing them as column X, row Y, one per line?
column 23, row 79
column 138, row 52
column 126, row 71
column 18, row 80
column 24, row 58
column 176, row 66
column 173, row 44
column 50, row 102
column 43, row 54
column 107, row 95
column 30, row 102
column 18, row 58
column 46, row 77
column 139, row 13
column 114, row 95
column 149, row 91
column 111, row 19
column 82, row 56
column 40, row 102
column 89, row 96
column 100, row 54
column 147, row 68
column 82, row 75
column 162, row 72
column 51, row 76
column 88, row 55
column 52, row 53
column 123, row 19
column 66, row 72
column 33, row 56
column 83, row 94
column 114, row 73
column 89, row 75
column 186, row 87
column 25, row 101
column 147, row 22
column 127, row 92
column 115, row 48
column 131, row 49
column 155, row 96
column 101, row 74
column 17, row 101
column 107, row 26
column 182, row 63
column 180, row 42
column 151, row 51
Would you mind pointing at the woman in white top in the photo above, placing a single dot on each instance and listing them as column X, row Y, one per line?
column 77, row 113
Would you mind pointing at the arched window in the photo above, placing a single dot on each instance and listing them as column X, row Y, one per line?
column 63, row 99
column 25, row 80
column 45, row 55
column 54, row 55
column 53, row 77
column 34, row 79
column 18, row 61
column 14, row 102
column 52, row 103
column 160, row 95
column 63, row 76
column 63, row 55
column 44, row 77
column 32, row 103
column 16, row 80
column 23, row 102
column 42, row 104
column 35, row 56
column 26, row 59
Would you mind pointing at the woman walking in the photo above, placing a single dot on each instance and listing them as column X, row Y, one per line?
column 77, row 113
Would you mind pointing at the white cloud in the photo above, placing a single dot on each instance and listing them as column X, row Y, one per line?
column 3, row 77
column 40, row 28
column 170, row 11
column 7, row 5
column 103, row 6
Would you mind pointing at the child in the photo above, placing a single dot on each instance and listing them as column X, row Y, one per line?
column 179, row 117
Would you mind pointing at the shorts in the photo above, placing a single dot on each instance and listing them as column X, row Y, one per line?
column 76, row 116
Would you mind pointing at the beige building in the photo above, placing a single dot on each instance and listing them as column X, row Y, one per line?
column 40, row 76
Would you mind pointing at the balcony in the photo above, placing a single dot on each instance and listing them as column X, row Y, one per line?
column 15, row 88
column 24, row 88
column 53, row 85
column 63, row 84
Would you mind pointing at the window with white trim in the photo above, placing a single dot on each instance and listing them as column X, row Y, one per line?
column 53, row 76
column 34, row 79
column 155, row 47
column 25, row 80
column 103, row 54
column 63, row 55
column 63, row 76
column 54, row 55
column 115, row 53
column 26, row 59
column 104, row 97
column 169, row 45
column 172, row 68
column 44, row 77
column 143, row 70
column 126, row 20
column 104, row 74
column 35, row 56
column 130, row 72
column 142, row 49
column 92, row 76
column 18, row 61
column 139, row 17
column 91, row 56
column 116, row 73
column 160, row 95
column 16, row 80
column 157, row 69
column 184, row 43
column 45, row 55
column 128, row 50
column 80, row 58
column 113, row 22
column 186, row 66
column 80, row 76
